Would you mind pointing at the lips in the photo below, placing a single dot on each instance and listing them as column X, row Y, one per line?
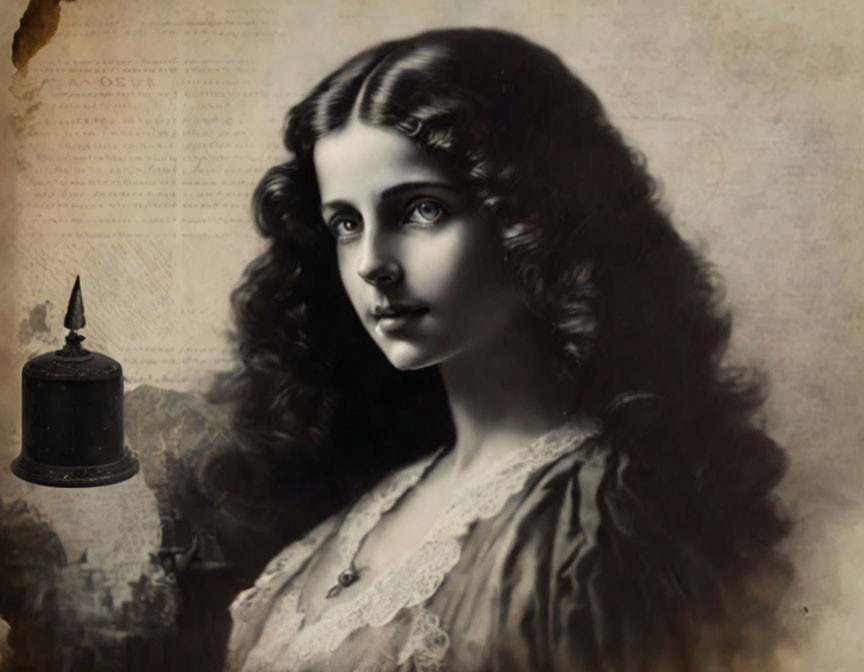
column 396, row 317
column 397, row 310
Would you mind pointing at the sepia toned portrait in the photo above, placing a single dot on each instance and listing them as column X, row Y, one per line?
column 432, row 337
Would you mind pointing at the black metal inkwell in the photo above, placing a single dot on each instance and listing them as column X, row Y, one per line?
column 72, row 414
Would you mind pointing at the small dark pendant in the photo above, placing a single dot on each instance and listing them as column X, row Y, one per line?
column 345, row 579
column 348, row 577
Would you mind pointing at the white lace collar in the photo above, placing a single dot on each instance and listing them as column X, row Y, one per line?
column 410, row 582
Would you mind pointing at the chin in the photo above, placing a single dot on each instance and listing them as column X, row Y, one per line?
column 409, row 357
column 410, row 363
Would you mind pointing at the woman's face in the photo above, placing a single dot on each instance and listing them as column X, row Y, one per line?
column 424, row 271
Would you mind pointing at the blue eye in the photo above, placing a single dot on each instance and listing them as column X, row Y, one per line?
column 425, row 212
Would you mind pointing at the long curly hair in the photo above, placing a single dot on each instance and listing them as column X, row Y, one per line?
column 634, row 312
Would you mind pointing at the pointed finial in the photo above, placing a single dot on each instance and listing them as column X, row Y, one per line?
column 74, row 320
column 75, row 311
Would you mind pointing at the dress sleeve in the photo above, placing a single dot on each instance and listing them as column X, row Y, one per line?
column 598, row 582
column 627, row 589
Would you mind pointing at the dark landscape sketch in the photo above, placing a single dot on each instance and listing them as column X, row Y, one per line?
column 535, row 351
column 68, row 613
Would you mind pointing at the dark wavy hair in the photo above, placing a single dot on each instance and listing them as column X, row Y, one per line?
column 633, row 311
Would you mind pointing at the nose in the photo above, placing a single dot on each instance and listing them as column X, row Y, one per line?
column 378, row 265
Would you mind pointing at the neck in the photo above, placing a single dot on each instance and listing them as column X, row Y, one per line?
column 503, row 395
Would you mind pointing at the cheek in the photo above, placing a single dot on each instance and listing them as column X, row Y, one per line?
column 441, row 266
column 465, row 268
column 352, row 282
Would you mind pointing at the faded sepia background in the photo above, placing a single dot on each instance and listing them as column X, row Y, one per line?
column 133, row 139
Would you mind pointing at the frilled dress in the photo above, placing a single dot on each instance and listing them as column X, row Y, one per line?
column 514, row 575
column 562, row 557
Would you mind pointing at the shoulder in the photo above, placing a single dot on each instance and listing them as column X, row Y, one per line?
column 572, row 466
column 621, row 583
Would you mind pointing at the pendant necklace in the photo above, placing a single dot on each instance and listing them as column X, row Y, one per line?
column 346, row 578
column 351, row 575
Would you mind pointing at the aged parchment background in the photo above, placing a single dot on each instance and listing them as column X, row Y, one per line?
column 133, row 143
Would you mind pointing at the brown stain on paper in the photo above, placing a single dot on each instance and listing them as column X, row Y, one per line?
column 38, row 25
column 35, row 325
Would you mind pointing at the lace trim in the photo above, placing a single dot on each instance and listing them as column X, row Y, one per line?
column 251, row 607
column 419, row 574
column 375, row 503
column 428, row 643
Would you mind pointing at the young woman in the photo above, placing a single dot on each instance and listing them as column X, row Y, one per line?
column 478, row 351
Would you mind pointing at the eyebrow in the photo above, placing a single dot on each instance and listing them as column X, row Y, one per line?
column 413, row 186
column 394, row 191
